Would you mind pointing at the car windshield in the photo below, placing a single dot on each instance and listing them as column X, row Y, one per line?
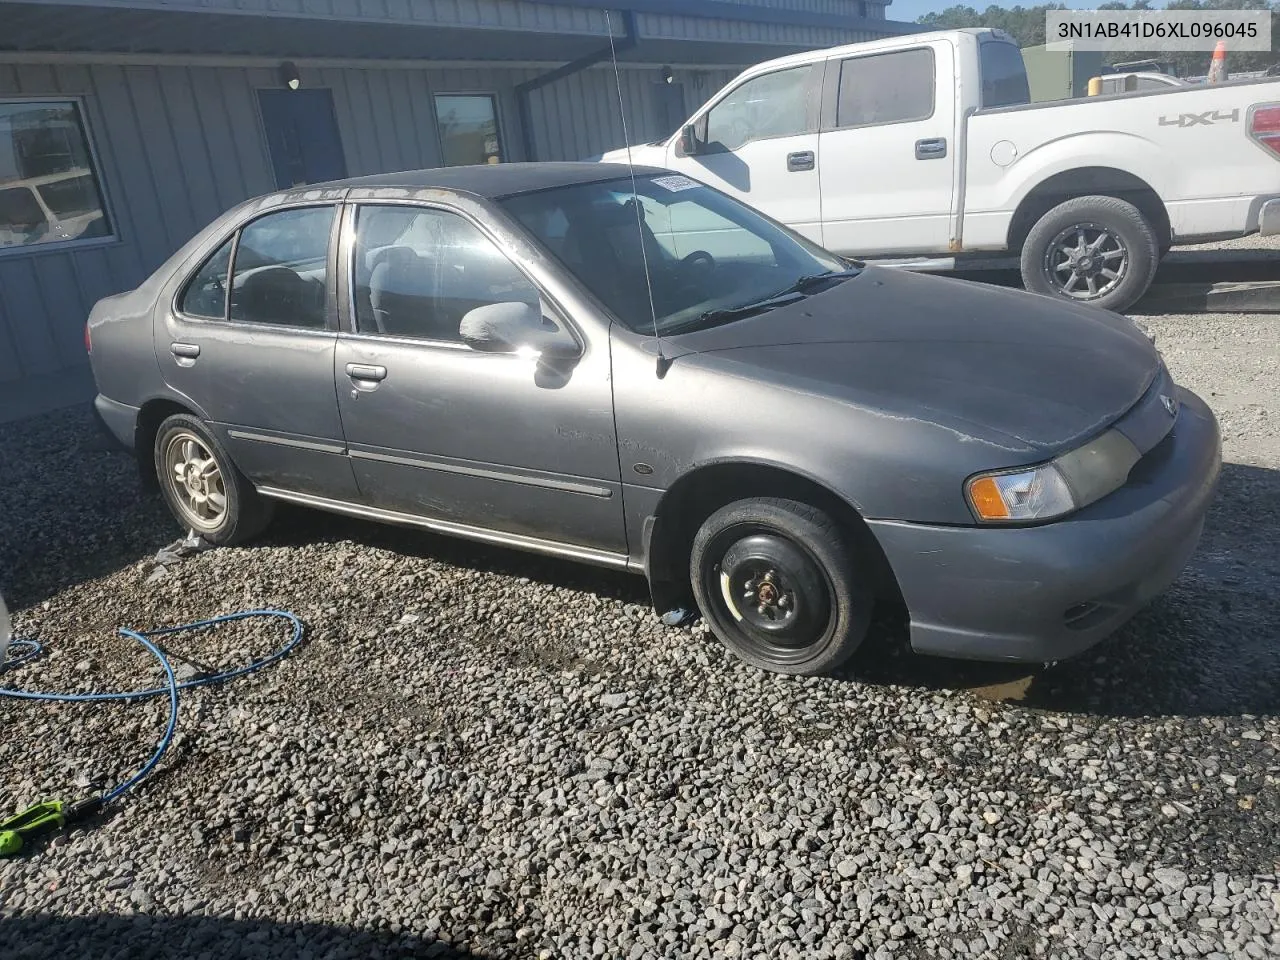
column 709, row 256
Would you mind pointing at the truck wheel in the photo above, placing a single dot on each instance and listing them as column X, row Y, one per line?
column 779, row 586
column 1095, row 250
column 204, row 490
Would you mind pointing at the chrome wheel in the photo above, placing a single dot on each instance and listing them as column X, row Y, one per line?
column 1086, row 261
column 196, row 481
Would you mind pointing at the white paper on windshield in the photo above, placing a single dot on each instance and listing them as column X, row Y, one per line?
column 675, row 183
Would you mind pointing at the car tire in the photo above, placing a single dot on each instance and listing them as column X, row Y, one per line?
column 779, row 585
column 211, row 497
column 1071, row 250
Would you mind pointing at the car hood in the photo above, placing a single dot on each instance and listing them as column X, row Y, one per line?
column 1026, row 371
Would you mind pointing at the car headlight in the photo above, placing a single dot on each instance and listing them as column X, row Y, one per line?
column 1054, row 489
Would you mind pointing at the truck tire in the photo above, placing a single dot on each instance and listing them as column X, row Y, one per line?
column 1095, row 250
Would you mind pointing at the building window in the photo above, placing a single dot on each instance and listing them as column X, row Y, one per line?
column 468, row 127
column 50, row 191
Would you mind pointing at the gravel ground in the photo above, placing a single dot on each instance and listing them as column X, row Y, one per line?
column 480, row 752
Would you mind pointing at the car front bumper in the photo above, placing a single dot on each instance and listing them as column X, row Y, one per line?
column 1044, row 593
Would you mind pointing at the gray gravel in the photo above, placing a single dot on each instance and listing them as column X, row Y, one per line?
column 485, row 752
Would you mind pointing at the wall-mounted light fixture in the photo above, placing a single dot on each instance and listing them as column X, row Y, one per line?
column 289, row 75
column 667, row 75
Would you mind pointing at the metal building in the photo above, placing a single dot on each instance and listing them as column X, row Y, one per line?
column 127, row 125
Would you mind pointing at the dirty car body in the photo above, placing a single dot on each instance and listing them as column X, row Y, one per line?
column 350, row 347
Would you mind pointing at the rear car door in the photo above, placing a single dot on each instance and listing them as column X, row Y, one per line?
column 759, row 142
column 886, row 156
column 249, row 338
column 435, row 429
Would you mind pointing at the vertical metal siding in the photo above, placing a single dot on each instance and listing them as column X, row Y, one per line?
column 176, row 146
column 578, row 117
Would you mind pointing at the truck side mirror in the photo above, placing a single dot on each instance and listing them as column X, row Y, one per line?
column 689, row 140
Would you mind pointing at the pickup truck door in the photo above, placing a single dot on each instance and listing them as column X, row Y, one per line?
column 759, row 142
column 887, row 151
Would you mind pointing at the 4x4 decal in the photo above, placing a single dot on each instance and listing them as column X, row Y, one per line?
column 1196, row 119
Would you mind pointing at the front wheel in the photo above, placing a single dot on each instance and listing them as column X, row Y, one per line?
column 779, row 586
column 1095, row 250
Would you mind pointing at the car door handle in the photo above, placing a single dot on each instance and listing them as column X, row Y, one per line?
column 367, row 372
column 187, row 351
column 803, row 160
column 931, row 149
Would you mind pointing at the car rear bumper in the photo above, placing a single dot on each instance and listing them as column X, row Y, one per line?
column 1045, row 593
column 117, row 420
column 1269, row 218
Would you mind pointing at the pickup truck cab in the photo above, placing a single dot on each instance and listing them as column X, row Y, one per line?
column 925, row 146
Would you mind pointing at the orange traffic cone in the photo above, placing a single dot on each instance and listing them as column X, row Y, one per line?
column 1218, row 65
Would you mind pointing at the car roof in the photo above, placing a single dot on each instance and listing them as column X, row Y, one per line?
column 493, row 180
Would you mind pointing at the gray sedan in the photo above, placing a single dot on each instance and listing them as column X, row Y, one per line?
column 649, row 375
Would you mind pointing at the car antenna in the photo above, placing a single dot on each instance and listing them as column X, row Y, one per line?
column 664, row 362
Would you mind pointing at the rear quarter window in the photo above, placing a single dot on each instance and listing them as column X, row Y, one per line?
column 1004, row 76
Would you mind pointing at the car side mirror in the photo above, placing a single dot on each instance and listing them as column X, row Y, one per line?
column 514, row 327
column 689, row 140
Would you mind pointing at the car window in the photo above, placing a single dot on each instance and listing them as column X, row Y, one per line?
column 1004, row 76
column 206, row 293
column 886, row 88
column 773, row 105
column 279, row 276
column 418, row 271
column 704, row 251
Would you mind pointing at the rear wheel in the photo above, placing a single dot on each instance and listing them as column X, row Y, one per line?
column 779, row 585
column 1095, row 250
column 204, row 490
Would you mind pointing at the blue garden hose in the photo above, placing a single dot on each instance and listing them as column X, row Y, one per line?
column 30, row 649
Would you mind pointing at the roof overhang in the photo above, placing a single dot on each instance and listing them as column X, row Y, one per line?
column 517, row 31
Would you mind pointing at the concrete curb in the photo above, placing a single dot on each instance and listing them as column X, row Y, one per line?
column 1258, row 297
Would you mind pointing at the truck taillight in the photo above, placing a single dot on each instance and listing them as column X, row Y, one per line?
column 88, row 341
column 1264, row 126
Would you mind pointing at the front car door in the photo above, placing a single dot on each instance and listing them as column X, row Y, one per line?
column 495, row 442
column 887, row 157
column 248, row 337
column 759, row 142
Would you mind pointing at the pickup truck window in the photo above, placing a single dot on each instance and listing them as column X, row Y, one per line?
column 886, row 88
column 1004, row 76
column 773, row 105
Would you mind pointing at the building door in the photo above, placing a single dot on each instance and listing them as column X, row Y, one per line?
column 468, row 127
column 669, row 110
column 302, row 136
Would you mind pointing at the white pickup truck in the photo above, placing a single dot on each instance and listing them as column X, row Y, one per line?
column 925, row 146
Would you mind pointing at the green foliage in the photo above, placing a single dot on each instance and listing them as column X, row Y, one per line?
column 1026, row 25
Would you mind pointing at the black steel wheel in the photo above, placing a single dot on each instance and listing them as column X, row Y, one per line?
column 1095, row 250
column 778, row 585
column 204, row 490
